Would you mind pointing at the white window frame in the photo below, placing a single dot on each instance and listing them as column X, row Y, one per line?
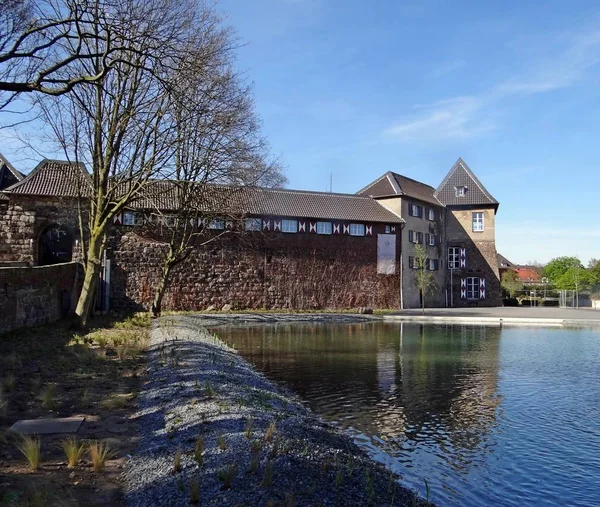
column 453, row 257
column 324, row 228
column 414, row 210
column 431, row 215
column 216, row 224
column 460, row 191
column 129, row 218
column 431, row 239
column 289, row 226
column 473, row 288
column 357, row 229
column 477, row 225
column 432, row 264
column 253, row 224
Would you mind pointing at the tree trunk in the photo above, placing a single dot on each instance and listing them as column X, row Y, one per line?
column 90, row 280
column 423, row 301
column 162, row 286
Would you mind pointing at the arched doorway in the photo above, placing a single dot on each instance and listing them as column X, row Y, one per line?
column 55, row 245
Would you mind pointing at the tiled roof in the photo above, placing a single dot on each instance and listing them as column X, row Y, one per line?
column 64, row 179
column 391, row 184
column 461, row 176
column 503, row 262
column 162, row 195
column 8, row 174
column 54, row 178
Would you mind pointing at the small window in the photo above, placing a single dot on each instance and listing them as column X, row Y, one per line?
column 431, row 215
column 412, row 264
column 460, row 191
column 433, row 264
column 415, row 211
column 357, row 229
column 128, row 218
column 388, row 229
column 478, row 221
column 216, row 223
column 453, row 257
column 430, row 239
column 253, row 224
column 473, row 288
column 324, row 227
column 289, row 226
column 169, row 220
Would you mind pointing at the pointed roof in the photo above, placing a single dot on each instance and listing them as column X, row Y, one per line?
column 394, row 184
column 8, row 174
column 503, row 262
column 460, row 175
column 54, row 178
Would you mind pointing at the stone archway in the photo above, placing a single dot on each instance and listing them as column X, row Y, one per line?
column 55, row 245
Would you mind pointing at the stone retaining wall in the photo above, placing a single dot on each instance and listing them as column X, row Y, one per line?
column 31, row 296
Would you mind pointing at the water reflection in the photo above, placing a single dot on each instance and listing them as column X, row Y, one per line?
column 470, row 408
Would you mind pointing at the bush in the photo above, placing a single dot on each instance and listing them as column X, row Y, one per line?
column 510, row 302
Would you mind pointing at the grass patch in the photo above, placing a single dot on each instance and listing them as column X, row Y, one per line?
column 199, row 451
column 31, row 448
column 226, row 475
column 194, row 490
column 221, row 443
column 116, row 401
column 248, row 430
column 177, row 461
column 48, row 397
column 271, row 431
column 267, row 480
column 99, row 453
column 73, row 450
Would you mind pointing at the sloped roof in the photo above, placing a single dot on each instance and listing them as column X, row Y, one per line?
column 392, row 184
column 460, row 175
column 54, row 178
column 163, row 195
column 503, row 262
column 64, row 179
column 8, row 174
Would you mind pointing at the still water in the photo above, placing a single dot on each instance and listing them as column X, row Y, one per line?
column 488, row 416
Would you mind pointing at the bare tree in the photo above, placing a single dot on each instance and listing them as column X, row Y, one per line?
column 220, row 158
column 53, row 46
column 122, row 126
column 423, row 276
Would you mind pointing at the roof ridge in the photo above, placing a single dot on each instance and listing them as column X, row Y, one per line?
column 17, row 174
column 412, row 179
column 385, row 175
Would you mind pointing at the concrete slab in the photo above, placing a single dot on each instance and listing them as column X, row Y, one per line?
column 47, row 426
column 501, row 315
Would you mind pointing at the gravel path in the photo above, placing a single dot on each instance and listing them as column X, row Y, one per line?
column 197, row 387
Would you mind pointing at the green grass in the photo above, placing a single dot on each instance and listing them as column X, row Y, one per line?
column 31, row 449
column 199, row 451
column 73, row 450
column 99, row 453
column 226, row 475
column 248, row 430
column 48, row 397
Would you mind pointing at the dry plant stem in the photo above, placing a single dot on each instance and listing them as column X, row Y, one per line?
column 31, row 448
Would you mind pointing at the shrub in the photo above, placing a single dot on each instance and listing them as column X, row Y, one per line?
column 194, row 491
column 226, row 475
column 270, row 433
column 47, row 397
column 199, row 450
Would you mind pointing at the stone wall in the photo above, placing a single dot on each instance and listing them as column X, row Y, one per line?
column 24, row 218
column 31, row 296
column 270, row 270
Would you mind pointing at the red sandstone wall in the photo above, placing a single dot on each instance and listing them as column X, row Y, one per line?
column 274, row 270
column 34, row 296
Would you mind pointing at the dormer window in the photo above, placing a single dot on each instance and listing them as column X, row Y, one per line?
column 460, row 191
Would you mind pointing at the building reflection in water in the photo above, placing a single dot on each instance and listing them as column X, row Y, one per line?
column 414, row 392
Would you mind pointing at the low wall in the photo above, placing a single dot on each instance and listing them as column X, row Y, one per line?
column 30, row 296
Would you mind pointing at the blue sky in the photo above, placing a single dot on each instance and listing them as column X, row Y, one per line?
column 355, row 88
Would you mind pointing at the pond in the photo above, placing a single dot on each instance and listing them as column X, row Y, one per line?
column 488, row 415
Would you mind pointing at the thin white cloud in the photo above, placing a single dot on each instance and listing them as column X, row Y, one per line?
column 467, row 117
column 447, row 68
column 448, row 119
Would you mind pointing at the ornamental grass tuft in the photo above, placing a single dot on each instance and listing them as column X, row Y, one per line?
column 31, row 448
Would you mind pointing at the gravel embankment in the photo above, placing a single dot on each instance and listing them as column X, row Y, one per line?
column 199, row 387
